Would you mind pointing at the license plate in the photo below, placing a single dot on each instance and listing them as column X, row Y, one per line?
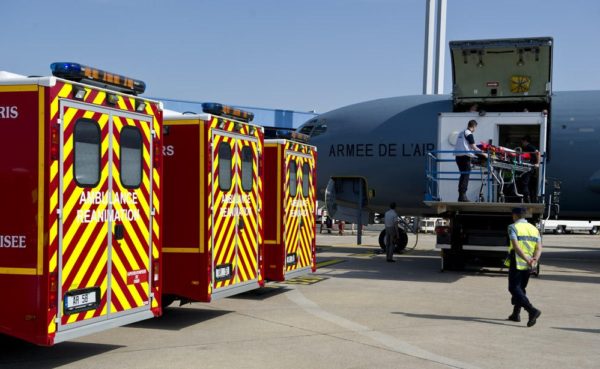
column 290, row 259
column 81, row 300
column 223, row 272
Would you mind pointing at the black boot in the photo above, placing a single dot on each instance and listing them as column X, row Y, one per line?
column 462, row 197
column 516, row 314
column 534, row 314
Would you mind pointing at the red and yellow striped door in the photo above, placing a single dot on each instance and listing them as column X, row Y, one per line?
column 235, row 209
column 248, row 210
column 224, row 217
column 104, row 193
column 299, row 203
column 131, row 201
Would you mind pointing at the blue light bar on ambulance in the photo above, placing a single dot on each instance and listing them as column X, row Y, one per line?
column 227, row 111
column 82, row 73
column 294, row 136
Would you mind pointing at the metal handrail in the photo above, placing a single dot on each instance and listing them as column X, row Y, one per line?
column 434, row 176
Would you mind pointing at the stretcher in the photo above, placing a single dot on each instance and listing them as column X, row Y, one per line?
column 505, row 166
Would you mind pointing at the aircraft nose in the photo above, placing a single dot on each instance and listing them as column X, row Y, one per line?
column 594, row 183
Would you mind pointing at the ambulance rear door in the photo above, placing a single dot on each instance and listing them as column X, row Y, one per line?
column 105, row 202
column 299, row 208
column 235, row 199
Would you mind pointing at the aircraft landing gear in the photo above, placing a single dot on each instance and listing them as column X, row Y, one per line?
column 401, row 242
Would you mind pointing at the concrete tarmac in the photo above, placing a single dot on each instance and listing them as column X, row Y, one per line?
column 358, row 311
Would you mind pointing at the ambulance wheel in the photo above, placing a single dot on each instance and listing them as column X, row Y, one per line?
column 560, row 230
column 400, row 243
column 167, row 300
column 594, row 230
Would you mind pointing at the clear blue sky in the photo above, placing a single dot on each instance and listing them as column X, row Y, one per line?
column 303, row 54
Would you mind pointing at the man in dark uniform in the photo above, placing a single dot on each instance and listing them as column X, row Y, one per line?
column 528, row 181
column 525, row 249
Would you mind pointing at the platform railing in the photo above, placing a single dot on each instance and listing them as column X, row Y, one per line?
column 494, row 175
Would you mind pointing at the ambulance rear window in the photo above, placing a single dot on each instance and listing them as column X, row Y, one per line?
column 131, row 157
column 305, row 179
column 247, row 169
column 293, row 182
column 86, row 159
column 224, row 163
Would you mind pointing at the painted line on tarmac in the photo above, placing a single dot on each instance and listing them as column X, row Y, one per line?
column 391, row 342
column 327, row 263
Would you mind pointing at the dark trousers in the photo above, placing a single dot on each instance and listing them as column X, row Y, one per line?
column 517, row 283
column 528, row 187
column 464, row 165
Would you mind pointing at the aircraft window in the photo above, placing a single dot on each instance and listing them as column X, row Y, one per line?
column 86, row 158
column 224, row 163
column 247, row 168
column 293, row 179
column 307, row 129
column 320, row 129
column 131, row 157
column 305, row 179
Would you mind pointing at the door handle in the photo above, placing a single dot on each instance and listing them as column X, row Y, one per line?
column 119, row 231
column 240, row 224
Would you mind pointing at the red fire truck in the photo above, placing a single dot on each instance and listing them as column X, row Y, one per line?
column 80, row 192
column 213, row 204
column 290, row 208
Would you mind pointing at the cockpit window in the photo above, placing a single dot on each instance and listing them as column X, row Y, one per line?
column 307, row 129
column 319, row 129
column 314, row 127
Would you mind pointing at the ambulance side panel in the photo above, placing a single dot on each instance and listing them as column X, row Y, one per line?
column 185, row 261
column 22, row 281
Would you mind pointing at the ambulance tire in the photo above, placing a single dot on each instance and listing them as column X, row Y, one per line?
column 167, row 300
column 400, row 243
column 594, row 230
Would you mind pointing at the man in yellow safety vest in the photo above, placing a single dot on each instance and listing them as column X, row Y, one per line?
column 524, row 250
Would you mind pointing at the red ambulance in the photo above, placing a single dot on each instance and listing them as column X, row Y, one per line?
column 80, row 188
column 290, row 207
column 213, row 189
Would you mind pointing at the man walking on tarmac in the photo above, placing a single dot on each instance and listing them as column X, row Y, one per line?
column 391, row 231
column 524, row 251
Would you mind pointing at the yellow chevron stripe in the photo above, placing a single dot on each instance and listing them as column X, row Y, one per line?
column 156, row 178
column 52, row 325
column 64, row 92
column 79, row 245
column 53, row 170
column 53, row 257
column 118, row 293
column 138, row 245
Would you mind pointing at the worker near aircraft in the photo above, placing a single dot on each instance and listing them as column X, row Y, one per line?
column 465, row 151
column 527, row 182
column 391, row 231
column 524, row 251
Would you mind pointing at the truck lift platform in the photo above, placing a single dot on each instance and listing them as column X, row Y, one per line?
column 445, row 207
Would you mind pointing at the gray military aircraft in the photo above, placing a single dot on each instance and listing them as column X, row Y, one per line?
column 374, row 153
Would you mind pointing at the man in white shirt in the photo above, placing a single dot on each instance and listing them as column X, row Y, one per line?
column 465, row 146
column 391, row 231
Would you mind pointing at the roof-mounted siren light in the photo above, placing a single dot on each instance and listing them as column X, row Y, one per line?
column 294, row 136
column 97, row 77
column 227, row 111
